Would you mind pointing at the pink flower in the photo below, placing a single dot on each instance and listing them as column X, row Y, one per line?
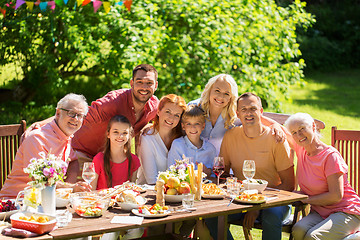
column 46, row 172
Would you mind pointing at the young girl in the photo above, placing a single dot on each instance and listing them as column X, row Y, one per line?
column 116, row 164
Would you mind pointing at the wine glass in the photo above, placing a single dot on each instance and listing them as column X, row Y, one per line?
column 88, row 172
column 249, row 169
column 219, row 167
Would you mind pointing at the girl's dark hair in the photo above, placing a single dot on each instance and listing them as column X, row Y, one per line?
column 127, row 148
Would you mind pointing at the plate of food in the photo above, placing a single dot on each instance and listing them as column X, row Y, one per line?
column 250, row 197
column 129, row 200
column 7, row 208
column 34, row 222
column 155, row 211
column 212, row 191
column 63, row 196
column 131, row 186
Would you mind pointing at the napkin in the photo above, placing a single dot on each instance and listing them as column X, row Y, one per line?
column 15, row 232
column 127, row 220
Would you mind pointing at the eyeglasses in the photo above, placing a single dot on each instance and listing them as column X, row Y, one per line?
column 73, row 114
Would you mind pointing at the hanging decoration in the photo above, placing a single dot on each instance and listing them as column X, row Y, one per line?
column 50, row 5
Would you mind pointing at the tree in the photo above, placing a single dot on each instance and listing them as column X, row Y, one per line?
column 187, row 41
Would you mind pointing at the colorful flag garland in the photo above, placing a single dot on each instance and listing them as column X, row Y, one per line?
column 52, row 4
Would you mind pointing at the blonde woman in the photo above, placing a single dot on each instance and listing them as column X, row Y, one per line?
column 218, row 100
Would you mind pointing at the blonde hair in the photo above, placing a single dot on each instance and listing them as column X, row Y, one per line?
column 229, row 112
column 193, row 111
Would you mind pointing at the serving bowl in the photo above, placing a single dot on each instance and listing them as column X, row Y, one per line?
column 89, row 204
column 33, row 226
column 63, row 196
column 128, row 206
column 257, row 184
column 174, row 198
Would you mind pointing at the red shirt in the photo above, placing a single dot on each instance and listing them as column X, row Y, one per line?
column 90, row 138
column 119, row 170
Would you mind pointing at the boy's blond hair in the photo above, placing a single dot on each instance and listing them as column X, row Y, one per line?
column 193, row 110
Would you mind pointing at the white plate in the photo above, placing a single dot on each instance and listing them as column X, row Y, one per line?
column 60, row 194
column 6, row 215
column 249, row 202
column 174, row 198
column 129, row 206
column 220, row 196
column 136, row 212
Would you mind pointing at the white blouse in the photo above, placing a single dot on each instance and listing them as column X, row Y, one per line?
column 153, row 155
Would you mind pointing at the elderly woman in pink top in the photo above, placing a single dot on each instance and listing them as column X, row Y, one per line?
column 54, row 137
column 322, row 174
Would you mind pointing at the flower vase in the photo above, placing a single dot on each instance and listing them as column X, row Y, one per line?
column 48, row 200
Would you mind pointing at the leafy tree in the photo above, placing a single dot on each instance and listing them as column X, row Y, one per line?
column 75, row 49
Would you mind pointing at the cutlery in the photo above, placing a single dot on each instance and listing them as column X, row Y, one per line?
column 232, row 199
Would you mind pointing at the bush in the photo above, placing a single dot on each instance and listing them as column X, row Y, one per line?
column 187, row 41
column 333, row 42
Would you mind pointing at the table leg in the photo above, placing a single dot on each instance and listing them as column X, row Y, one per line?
column 169, row 228
column 222, row 227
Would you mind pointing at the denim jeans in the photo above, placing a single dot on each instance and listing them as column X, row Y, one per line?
column 270, row 218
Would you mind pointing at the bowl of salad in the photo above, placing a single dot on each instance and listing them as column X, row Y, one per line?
column 89, row 204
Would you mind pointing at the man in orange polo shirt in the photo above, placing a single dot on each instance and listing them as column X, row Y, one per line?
column 254, row 141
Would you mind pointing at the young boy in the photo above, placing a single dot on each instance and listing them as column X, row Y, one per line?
column 192, row 145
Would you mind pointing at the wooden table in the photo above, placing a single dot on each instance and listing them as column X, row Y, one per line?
column 80, row 227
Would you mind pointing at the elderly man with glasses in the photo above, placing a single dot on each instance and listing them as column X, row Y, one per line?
column 55, row 138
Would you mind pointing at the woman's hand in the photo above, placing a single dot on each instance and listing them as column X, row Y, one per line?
column 81, row 187
column 278, row 133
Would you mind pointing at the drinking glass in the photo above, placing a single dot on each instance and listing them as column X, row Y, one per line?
column 219, row 167
column 88, row 173
column 249, row 169
column 188, row 201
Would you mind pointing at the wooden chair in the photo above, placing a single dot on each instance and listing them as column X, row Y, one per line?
column 281, row 118
column 300, row 209
column 9, row 143
column 347, row 142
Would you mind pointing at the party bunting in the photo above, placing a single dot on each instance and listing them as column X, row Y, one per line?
column 43, row 6
column 127, row 4
column 86, row 2
column 19, row 3
column 51, row 4
column 79, row 2
column 59, row 2
column 3, row 11
column 96, row 5
column 106, row 6
column 30, row 5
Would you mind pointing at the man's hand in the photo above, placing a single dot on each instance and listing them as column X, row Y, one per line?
column 249, row 219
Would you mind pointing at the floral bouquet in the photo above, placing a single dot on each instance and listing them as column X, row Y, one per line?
column 176, row 178
column 47, row 170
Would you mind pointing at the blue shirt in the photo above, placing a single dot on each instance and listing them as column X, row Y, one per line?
column 183, row 146
column 215, row 134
